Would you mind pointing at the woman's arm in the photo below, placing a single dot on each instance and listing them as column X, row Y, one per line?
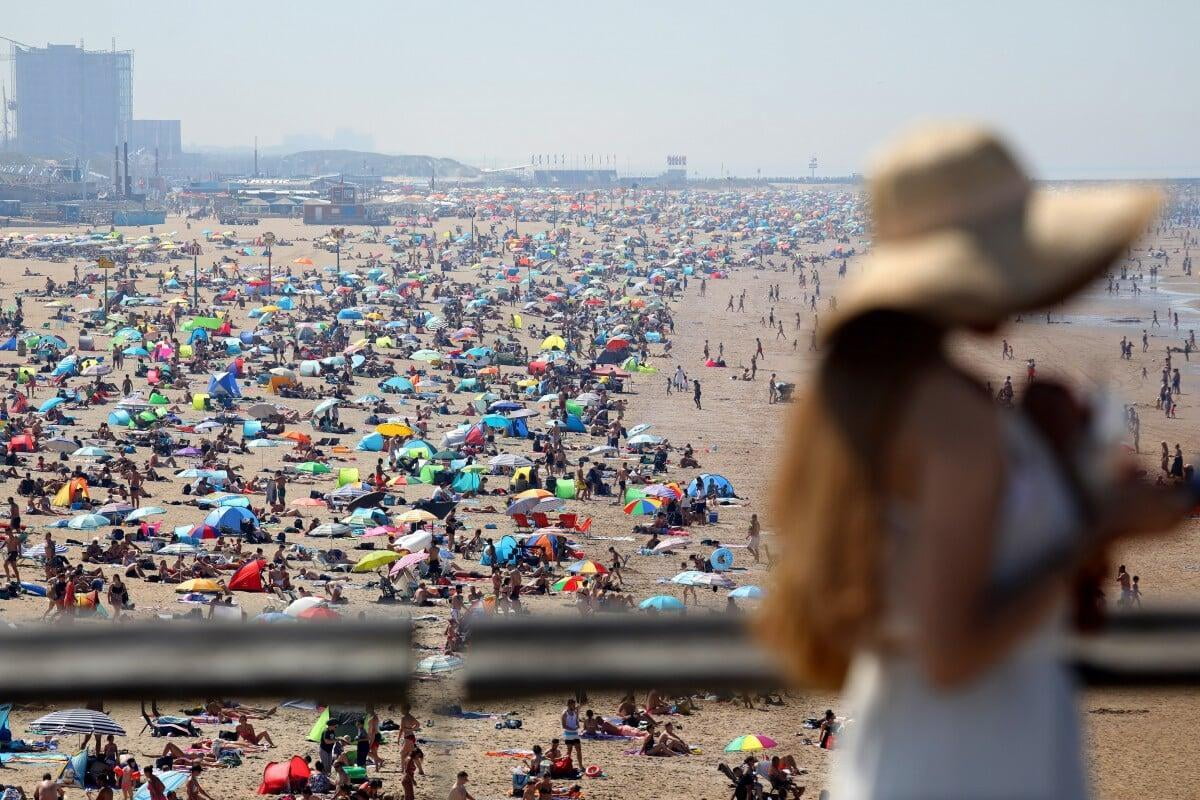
column 957, row 468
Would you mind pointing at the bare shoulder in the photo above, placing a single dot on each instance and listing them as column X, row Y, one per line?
column 947, row 408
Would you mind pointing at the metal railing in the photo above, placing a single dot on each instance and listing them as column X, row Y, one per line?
column 508, row 657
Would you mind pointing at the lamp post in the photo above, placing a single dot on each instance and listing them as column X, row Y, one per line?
column 195, row 276
column 338, row 233
column 269, row 240
column 105, row 263
column 471, row 214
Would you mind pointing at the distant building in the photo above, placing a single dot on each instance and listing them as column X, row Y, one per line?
column 71, row 101
column 342, row 208
column 157, row 134
column 575, row 178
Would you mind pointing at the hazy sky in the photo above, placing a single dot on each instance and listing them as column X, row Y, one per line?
column 1085, row 87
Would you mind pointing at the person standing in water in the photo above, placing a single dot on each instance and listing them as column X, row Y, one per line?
column 919, row 589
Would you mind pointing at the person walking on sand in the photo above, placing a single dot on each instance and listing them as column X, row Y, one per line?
column 952, row 587
column 696, row 394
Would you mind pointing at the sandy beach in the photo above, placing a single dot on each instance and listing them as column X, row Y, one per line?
column 1139, row 742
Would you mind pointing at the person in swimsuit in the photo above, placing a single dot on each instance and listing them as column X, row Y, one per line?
column 571, row 732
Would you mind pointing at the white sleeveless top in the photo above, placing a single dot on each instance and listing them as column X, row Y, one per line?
column 1011, row 732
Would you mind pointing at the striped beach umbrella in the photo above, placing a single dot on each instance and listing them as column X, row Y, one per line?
column 753, row 741
column 76, row 720
column 643, row 506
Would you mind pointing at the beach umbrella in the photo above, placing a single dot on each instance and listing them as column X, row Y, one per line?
column 663, row 491
column 308, row 502
column 142, row 513
column 534, row 493
column 749, row 742
column 319, row 612
column 669, row 544
column 432, row 665
column 694, row 578
column 303, row 604
column 330, row 529
column 522, row 506
column 570, row 583
column 408, row 560
column 750, row 592
column 416, row 515
column 202, row 585
column 324, row 406
column 509, row 460
column 90, row 452
column 313, row 468
column 53, row 402
column 643, row 506
column 87, row 522
column 587, row 567
column 76, row 720
column 60, row 445
column 373, row 561
column 262, row 410
column 393, row 429
column 179, row 549
column 271, row 617
column 662, row 602
column 427, row 355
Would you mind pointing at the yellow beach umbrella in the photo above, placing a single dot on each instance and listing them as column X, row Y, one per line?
column 415, row 515
column 204, row 585
column 373, row 561
column 393, row 429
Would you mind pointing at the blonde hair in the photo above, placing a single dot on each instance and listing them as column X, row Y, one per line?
column 825, row 593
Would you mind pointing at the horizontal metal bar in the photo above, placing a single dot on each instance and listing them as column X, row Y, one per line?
column 518, row 656
column 321, row 660
column 513, row 657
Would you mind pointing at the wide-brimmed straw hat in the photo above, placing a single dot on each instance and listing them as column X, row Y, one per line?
column 963, row 238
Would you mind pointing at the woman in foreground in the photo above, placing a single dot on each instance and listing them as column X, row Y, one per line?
column 933, row 538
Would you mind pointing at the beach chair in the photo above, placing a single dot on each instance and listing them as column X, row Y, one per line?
column 540, row 520
column 522, row 522
column 568, row 521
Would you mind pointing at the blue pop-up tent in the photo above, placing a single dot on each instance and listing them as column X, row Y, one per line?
column 229, row 518
column 224, row 383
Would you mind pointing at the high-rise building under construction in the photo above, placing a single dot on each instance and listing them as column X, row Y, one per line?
column 70, row 101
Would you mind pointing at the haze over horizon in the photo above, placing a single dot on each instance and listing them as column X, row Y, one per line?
column 740, row 87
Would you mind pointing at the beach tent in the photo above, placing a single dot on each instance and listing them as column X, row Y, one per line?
column 9, row 344
column 171, row 782
column 228, row 519
column 564, row 488
column 74, row 772
column 71, row 492
column 506, row 552
column 287, row 776
column 342, row 718
column 372, row 442
column 705, row 479
column 23, row 443
column 223, row 383
column 249, row 578
column 466, row 482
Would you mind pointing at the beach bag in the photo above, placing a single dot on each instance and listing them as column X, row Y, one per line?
column 562, row 768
